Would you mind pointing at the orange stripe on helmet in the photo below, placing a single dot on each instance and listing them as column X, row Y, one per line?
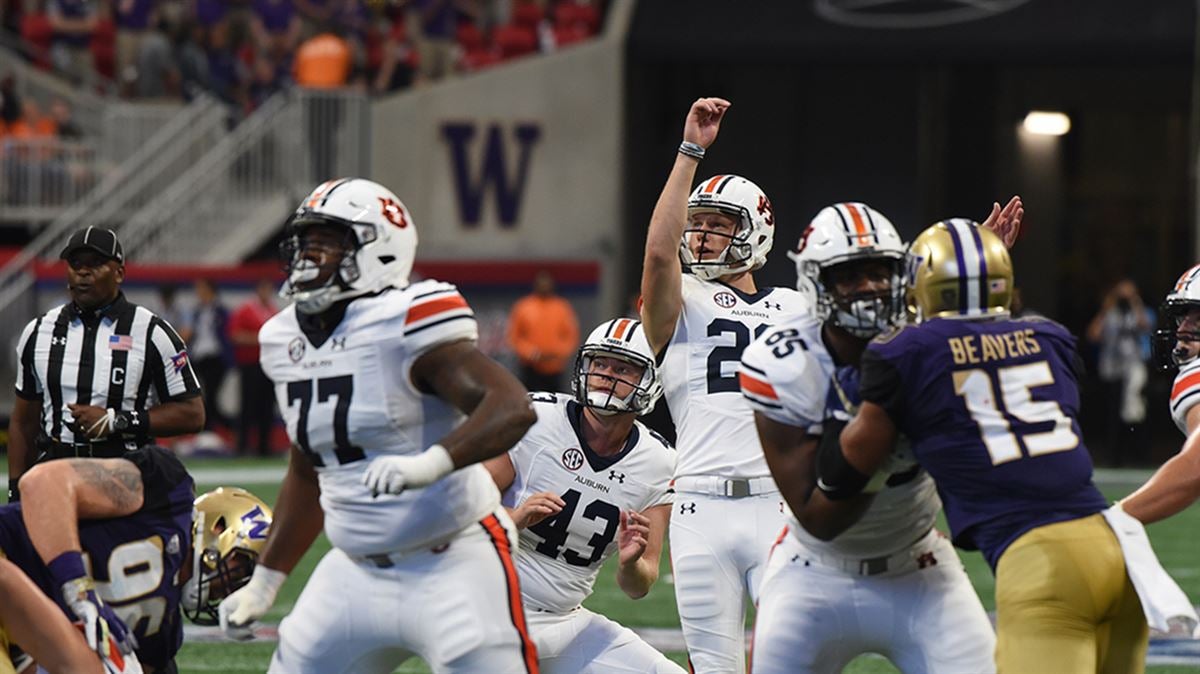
column 318, row 193
column 712, row 184
column 860, row 226
column 621, row 326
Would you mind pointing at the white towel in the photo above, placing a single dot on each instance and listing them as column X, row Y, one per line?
column 1162, row 600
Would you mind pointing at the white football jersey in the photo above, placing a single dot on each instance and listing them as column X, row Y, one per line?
column 350, row 398
column 714, row 426
column 560, row 556
column 786, row 375
column 1185, row 393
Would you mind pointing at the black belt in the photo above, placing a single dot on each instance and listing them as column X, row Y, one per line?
column 104, row 449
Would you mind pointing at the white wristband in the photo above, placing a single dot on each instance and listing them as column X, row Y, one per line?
column 438, row 462
column 269, row 579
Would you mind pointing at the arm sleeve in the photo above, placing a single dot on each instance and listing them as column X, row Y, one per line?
column 881, row 384
column 167, row 361
column 28, row 386
column 790, row 389
column 437, row 314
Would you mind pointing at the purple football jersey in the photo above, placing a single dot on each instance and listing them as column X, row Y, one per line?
column 991, row 408
column 134, row 559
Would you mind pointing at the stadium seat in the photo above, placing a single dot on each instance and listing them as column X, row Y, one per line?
column 527, row 14
column 571, row 34
column 469, row 37
column 571, row 13
column 514, row 41
column 36, row 32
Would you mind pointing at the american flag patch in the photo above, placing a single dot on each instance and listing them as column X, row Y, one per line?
column 120, row 342
column 179, row 360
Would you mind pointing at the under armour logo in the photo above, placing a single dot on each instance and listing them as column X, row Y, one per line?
column 926, row 560
column 773, row 305
column 614, row 475
column 338, row 344
column 58, row 341
column 689, row 508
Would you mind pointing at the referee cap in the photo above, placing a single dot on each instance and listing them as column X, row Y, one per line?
column 103, row 241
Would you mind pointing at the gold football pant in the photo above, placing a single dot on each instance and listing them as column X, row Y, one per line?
column 1064, row 603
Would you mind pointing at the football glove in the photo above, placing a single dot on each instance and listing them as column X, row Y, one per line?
column 240, row 609
column 79, row 593
column 394, row 474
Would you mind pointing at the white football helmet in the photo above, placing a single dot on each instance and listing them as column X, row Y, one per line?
column 747, row 249
column 624, row 339
column 850, row 233
column 380, row 233
column 1173, row 347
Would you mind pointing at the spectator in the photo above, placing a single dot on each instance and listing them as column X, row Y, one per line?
column 315, row 15
column 323, row 62
column 543, row 331
column 73, row 23
column 208, row 343
column 257, row 397
column 276, row 27
column 60, row 112
column 10, row 100
column 168, row 310
column 158, row 75
column 1121, row 330
column 433, row 26
column 188, row 47
column 134, row 20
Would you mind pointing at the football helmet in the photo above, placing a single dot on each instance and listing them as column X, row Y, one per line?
column 957, row 269
column 845, row 234
column 380, row 240
column 229, row 531
column 1174, row 347
column 623, row 339
column 747, row 248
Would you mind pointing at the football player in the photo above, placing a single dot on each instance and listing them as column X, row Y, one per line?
column 700, row 309
column 1176, row 484
column 586, row 482
column 892, row 562
column 134, row 518
column 990, row 407
column 28, row 618
column 374, row 377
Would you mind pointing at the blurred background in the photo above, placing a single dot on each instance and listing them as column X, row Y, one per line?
column 530, row 138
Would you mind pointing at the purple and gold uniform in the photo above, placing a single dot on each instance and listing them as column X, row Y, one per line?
column 990, row 407
column 991, row 410
column 135, row 560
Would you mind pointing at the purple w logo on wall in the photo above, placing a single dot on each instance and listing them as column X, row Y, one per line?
column 471, row 189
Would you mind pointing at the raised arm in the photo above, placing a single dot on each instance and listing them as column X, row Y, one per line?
column 662, row 297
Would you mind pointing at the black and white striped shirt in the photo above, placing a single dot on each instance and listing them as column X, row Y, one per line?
column 121, row 357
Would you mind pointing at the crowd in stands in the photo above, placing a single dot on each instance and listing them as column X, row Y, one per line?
column 244, row 50
column 39, row 147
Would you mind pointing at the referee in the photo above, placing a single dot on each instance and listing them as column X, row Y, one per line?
column 98, row 376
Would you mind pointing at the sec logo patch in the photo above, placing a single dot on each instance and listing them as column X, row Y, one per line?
column 725, row 299
column 572, row 459
column 296, row 349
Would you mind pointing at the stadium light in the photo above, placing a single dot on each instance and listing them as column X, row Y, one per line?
column 1046, row 123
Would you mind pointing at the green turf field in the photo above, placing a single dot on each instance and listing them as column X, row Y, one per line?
column 1173, row 540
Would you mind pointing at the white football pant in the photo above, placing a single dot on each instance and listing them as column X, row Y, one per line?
column 719, row 548
column 458, row 608
column 815, row 615
column 582, row 642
